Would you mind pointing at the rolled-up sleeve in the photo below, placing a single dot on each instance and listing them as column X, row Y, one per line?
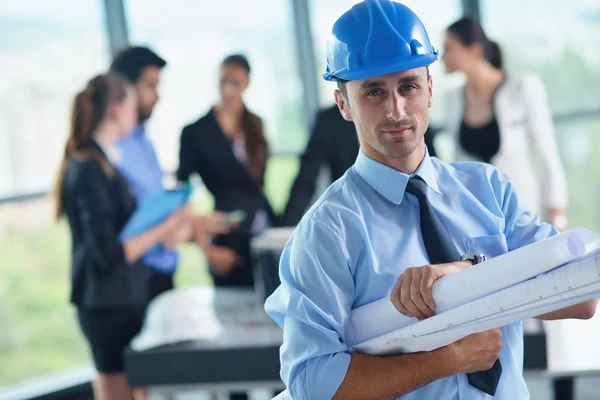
column 313, row 305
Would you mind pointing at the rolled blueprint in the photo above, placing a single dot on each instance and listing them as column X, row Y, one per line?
column 573, row 283
column 381, row 317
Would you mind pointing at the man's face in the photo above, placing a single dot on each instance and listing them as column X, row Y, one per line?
column 391, row 112
column 147, row 91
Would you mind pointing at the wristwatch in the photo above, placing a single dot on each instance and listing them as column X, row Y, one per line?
column 475, row 258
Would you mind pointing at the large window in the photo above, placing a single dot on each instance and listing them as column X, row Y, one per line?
column 38, row 329
column 557, row 40
column 48, row 50
column 435, row 19
column 579, row 144
column 194, row 38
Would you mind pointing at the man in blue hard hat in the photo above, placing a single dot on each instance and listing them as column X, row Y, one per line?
column 397, row 221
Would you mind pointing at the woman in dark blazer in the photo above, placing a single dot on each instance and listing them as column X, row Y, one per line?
column 227, row 147
column 110, row 286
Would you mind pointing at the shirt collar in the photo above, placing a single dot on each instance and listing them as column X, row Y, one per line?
column 112, row 153
column 391, row 183
column 138, row 130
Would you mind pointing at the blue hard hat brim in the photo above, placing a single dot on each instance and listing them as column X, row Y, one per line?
column 383, row 68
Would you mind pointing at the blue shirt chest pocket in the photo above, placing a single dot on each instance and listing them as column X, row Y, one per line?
column 488, row 245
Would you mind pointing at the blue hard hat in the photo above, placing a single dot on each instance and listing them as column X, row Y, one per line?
column 377, row 37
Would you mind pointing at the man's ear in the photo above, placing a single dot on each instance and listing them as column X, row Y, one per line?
column 113, row 111
column 342, row 103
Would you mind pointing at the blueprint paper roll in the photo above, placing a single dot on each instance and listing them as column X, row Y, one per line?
column 381, row 317
column 510, row 268
column 373, row 320
column 570, row 284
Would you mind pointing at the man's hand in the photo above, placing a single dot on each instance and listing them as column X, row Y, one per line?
column 182, row 234
column 213, row 224
column 185, row 213
column 222, row 259
column 372, row 377
column 180, row 227
column 558, row 218
column 476, row 352
column 412, row 294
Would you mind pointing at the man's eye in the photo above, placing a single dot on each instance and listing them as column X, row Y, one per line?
column 374, row 92
column 408, row 88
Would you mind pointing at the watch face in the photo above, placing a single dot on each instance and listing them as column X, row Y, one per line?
column 474, row 258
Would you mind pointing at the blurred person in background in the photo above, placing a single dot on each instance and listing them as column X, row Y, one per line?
column 333, row 143
column 228, row 149
column 504, row 119
column 139, row 163
column 110, row 284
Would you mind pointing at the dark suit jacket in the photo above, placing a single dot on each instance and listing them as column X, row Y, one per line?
column 333, row 143
column 97, row 207
column 204, row 149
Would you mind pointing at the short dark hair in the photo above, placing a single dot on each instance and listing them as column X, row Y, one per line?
column 131, row 61
column 341, row 84
column 239, row 60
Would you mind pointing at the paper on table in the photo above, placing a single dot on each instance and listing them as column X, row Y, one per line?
column 570, row 284
column 380, row 317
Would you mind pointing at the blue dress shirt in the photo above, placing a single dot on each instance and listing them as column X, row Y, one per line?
column 140, row 167
column 354, row 243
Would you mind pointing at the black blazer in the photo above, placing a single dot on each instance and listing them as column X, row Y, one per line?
column 334, row 143
column 97, row 207
column 204, row 149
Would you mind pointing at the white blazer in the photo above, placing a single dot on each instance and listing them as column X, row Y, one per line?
column 527, row 141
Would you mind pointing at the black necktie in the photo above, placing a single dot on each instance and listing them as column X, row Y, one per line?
column 441, row 249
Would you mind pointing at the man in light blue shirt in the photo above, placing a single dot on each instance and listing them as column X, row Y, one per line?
column 355, row 243
column 139, row 163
